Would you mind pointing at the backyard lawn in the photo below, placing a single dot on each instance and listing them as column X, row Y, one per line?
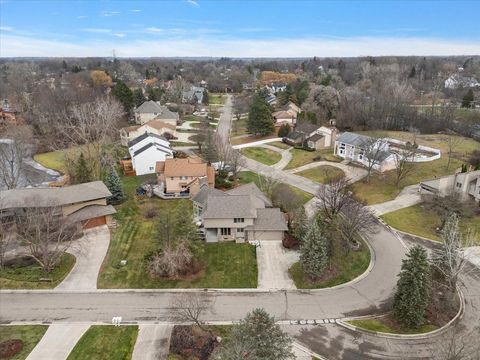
column 248, row 139
column 347, row 267
column 265, row 156
column 246, row 177
column 419, row 220
column 382, row 324
column 280, row 145
column 216, row 99
column 322, row 174
column 303, row 157
column 29, row 334
column 106, row 342
column 381, row 187
column 28, row 276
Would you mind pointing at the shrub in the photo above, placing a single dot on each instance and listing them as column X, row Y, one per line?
column 171, row 262
column 284, row 130
column 9, row 348
column 150, row 212
column 290, row 242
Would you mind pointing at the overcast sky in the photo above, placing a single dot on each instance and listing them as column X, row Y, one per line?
column 238, row 28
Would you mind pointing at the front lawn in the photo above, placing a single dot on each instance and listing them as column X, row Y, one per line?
column 322, row 174
column 303, row 157
column 421, row 221
column 29, row 334
column 246, row 177
column 29, row 275
column 199, row 125
column 106, row 342
column 347, row 267
column 265, row 156
column 216, row 99
column 381, row 187
column 250, row 138
column 280, row 145
column 386, row 324
column 239, row 127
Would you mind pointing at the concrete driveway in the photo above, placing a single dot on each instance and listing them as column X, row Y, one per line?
column 89, row 252
column 273, row 263
column 153, row 342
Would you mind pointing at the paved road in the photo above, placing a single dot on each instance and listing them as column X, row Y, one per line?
column 225, row 122
column 369, row 295
column 58, row 341
column 89, row 252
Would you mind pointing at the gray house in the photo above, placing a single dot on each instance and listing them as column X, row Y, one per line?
column 241, row 214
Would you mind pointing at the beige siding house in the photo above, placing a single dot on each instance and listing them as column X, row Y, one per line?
column 151, row 110
column 157, row 127
column 241, row 214
column 466, row 185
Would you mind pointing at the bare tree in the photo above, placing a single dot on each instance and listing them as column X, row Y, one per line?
column 46, row 232
column 403, row 159
column 373, row 152
column 12, row 156
column 7, row 234
column 457, row 345
column 267, row 185
column 334, row 196
column 190, row 307
column 355, row 220
column 228, row 157
column 452, row 143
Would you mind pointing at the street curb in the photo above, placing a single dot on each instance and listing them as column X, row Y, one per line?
column 303, row 348
column 456, row 318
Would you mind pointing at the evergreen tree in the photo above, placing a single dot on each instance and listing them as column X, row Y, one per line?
column 467, row 101
column 257, row 337
column 114, row 184
column 284, row 130
column 314, row 251
column 138, row 97
column 205, row 100
column 82, row 173
column 123, row 94
column 260, row 121
column 413, row 289
column 209, row 150
column 413, row 72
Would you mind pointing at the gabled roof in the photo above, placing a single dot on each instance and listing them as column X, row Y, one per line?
column 283, row 114
column 206, row 191
column 159, row 125
column 91, row 212
column 143, row 137
column 53, row 196
column 315, row 137
column 185, row 167
column 294, row 135
column 158, row 147
column 236, row 206
column 269, row 219
column 250, row 189
column 166, row 114
column 306, row 127
column 149, row 107
column 130, row 128
column 354, row 139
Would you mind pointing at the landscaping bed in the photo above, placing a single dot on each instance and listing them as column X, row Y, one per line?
column 29, row 335
column 387, row 324
column 106, row 342
column 25, row 273
column 322, row 174
column 344, row 268
column 302, row 157
column 265, row 156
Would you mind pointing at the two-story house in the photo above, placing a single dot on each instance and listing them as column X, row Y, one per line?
column 466, row 185
column 85, row 204
column 151, row 110
column 241, row 214
column 156, row 127
column 183, row 177
column 312, row 136
column 145, row 151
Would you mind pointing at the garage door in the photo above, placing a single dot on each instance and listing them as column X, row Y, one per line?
column 265, row 235
column 98, row 221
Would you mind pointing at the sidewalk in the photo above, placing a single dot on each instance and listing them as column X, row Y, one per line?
column 409, row 196
column 58, row 341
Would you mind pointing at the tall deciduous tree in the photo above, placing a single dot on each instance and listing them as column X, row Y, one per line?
column 413, row 289
column 260, row 121
column 100, row 78
column 257, row 337
column 12, row 156
column 114, row 184
column 314, row 251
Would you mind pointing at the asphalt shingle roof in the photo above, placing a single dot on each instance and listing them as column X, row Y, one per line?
column 149, row 107
column 269, row 219
column 354, row 139
column 234, row 206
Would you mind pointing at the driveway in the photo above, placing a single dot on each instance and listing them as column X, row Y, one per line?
column 153, row 342
column 58, row 341
column 89, row 252
column 409, row 196
column 273, row 262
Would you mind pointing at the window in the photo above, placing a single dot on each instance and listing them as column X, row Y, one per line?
column 183, row 177
column 225, row 231
column 150, row 168
column 459, row 185
column 240, row 230
column 238, row 220
column 171, row 178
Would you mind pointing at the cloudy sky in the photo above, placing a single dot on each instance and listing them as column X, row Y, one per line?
column 238, row 28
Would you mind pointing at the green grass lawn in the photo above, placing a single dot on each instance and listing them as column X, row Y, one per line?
column 250, row 138
column 302, row 157
column 199, row 125
column 28, row 277
column 419, row 220
column 56, row 159
column 348, row 268
column 265, row 156
column 245, row 177
column 379, row 325
column 181, row 143
column 322, row 174
column 280, row 145
column 216, row 99
column 106, row 342
column 29, row 334
column 381, row 187
column 239, row 127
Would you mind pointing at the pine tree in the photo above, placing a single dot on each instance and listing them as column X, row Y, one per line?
column 284, row 130
column 413, row 72
column 138, row 97
column 114, row 184
column 314, row 251
column 82, row 173
column 123, row 94
column 260, row 121
column 413, row 289
column 467, row 101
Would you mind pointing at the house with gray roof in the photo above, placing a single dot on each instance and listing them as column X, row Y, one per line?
column 151, row 110
column 85, row 204
column 194, row 95
column 241, row 214
column 146, row 150
column 465, row 185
